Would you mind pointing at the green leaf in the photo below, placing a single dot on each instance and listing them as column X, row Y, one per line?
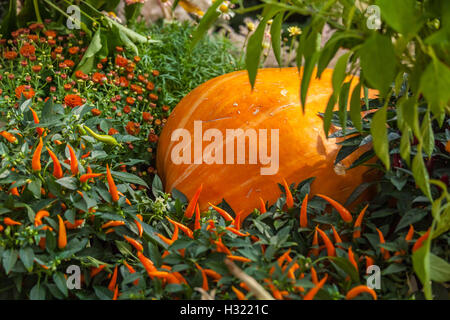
column 405, row 146
column 378, row 131
column 339, row 73
column 68, row 182
column 87, row 61
column 439, row 269
column 347, row 267
column 434, row 84
column 355, row 107
column 211, row 15
column 128, row 177
column 60, row 282
column 343, row 103
column 35, row 187
column 37, row 292
column 254, row 50
column 9, row 259
column 427, row 135
column 9, row 22
column 27, row 257
column 401, row 15
column 378, row 62
column 421, row 265
column 157, row 186
column 420, row 174
column 103, row 293
column 328, row 114
column 275, row 32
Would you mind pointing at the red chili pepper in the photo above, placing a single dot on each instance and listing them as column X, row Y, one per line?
column 134, row 243
column 345, row 214
column 112, row 185
column 331, row 251
column 36, row 161
column 313, row 291
column 419, row 242
column 73, row 160
column 303, row 213
column 357, row 225
column 358, row 290
column 192, row 204
column 57, row 169
column 289, row 198
column 116, row 292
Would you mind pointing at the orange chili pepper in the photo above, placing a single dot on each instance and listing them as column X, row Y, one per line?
column 73, row 161
column 238, row 293
column 221, row 247
column 213, row 274
column 36, row 121
column 223, row 213
column 313, row 291
column 58, row 142
column 75, row 225
column 244, row 286
column 303, row 213
column 192, row 204
column 85, row 177
column 134, row 243
column 147, row 263
column 358, row 290
column 1, row 228
column 112, row 185
column 113, row 281
column 331, row 251
column 369, row 262
column 315, row 243
column 314, row 278
column 109, row 231
column 383, row 251
column 10, row 222
column 8, row 136
column 36, row 160
column 357, row 225
column 237, row 232
column 139, row 227
column 351, row 258
column 197, row 218
column 275, row 292
column 410, row 233
column 289, row 199
column 337, row 238
column 57, row 169
column 205, row 285
column 419, row 242
column 131, row 270
column 116, row 292
column 182, row 227
column 113, row 223
column 62, row 237
column 238, row 258
column 95, row 271
column 38, row 217
column 262, row 206
column 84, row 156
column 165, row 275
column 163, row 238
column 345, row 214
column 237, row 220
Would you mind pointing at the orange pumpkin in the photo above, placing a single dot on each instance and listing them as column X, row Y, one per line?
column 227, row 102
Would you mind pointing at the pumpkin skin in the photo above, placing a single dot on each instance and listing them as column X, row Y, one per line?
column 227, row 102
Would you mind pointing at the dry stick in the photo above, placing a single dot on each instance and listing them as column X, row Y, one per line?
column 251, row 283
column 207, row 295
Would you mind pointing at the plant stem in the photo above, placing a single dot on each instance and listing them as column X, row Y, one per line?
column 36, row 11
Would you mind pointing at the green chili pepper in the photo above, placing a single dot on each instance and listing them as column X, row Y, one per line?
column 81, row 129
column 102, row 137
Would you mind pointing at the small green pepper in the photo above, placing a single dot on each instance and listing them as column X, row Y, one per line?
column 102, row 137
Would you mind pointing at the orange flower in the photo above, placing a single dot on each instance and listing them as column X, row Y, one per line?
column 150, row 86
column 69, row 63
column 74, row 50
column 130, row 100
column 26, row 90
column 96, row 112
column 146, row 116
column 123, row 82
column 73, row 100
column 10, row 55
column 127, row 109
column 27, row 50
column 36, row 68
column 136, row 88
column 50, row 33
column 133, row 128
column 112, row 131
column 98, row 77
column 80, row 74
column 121, row 61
